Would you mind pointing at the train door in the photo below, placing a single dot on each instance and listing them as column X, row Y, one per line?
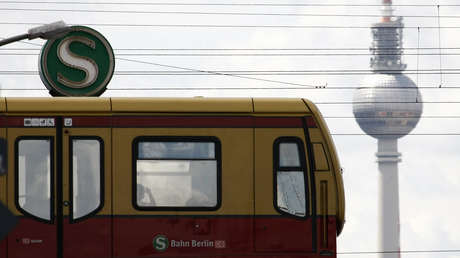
column 60, row 188
column 283, row 213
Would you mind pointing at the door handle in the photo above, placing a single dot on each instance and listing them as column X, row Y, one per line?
column 66, row 203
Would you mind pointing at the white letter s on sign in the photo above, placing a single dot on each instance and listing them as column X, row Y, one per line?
column 72, row 60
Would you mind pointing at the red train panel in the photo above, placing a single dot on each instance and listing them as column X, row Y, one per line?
column 88, row 238
column 40, row 239
column 223, row 236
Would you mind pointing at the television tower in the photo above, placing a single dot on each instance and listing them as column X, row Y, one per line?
column 387, row 106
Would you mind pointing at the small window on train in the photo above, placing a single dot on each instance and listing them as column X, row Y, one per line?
column 289, row 155
column 180, row 173
column 290, row 183
column 34, row 177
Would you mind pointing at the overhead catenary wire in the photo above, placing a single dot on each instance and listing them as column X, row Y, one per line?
column 218, row 4
column 439, row 44
column 252, row 49
column 270, row 72
column 197, row 72
column 215, row 73
column 418, row 56
column 223, row 13
column 231, row 26
column 253, row 54
column 411, row 134
column 402, row 251
column 232, row 88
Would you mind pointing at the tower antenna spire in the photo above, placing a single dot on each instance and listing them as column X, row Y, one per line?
column 387, row 11
column 387, row 42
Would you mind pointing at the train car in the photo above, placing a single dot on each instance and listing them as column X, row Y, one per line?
column 168, row 177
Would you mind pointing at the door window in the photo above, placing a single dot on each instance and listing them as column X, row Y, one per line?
column 34, row 177
column 86, row 176
column 290, row 183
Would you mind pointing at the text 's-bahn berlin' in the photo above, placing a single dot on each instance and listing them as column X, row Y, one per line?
column 83, row 176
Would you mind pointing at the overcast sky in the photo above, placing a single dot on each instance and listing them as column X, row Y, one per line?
column 429, row 180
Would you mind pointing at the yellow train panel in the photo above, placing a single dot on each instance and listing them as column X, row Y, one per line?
column 278, row 106
column 320, row 156
column 189, row 105
column 58, row 105
column 2, row 105
column 237, row 160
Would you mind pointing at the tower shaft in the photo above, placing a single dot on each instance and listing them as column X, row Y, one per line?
column 387, row 159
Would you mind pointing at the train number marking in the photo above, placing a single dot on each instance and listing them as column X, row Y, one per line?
column 28, row 241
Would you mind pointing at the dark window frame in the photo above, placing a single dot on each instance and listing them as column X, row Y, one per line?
column 4, row 156
column 218, row 159
column 302, row 168
column 102, row 177
column 52, row 177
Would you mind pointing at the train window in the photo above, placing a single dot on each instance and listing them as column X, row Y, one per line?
column 34, row 176
column 86, row 176
column 289, row 155
column 290, row 183
column 180, row 173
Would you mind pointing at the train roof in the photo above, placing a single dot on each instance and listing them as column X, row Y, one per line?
column 154, row 105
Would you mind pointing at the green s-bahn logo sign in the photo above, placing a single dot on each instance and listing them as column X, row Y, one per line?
column 160, row 243
column 81, row 63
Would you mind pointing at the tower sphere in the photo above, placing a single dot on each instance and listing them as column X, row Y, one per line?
column 387, row 105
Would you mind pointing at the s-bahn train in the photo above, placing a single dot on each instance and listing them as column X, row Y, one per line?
column 168, row 177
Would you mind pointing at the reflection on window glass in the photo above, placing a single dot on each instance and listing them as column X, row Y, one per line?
column 177, row 174
column 86, row 176
column 34, row 177
column 291, row 192
column 289, row 155
column 176, row 150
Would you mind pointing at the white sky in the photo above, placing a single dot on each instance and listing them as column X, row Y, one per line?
column 429, row 183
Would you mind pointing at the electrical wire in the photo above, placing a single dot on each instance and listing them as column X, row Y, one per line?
column 225, row 13
column 259, row 72
column 232, row 26
column 402, row 251
column 196, row 72
column 400, row 135
column 213, row 72
column 254, row 49
column 256, row 54
column 228, row 88
column 219, row 4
